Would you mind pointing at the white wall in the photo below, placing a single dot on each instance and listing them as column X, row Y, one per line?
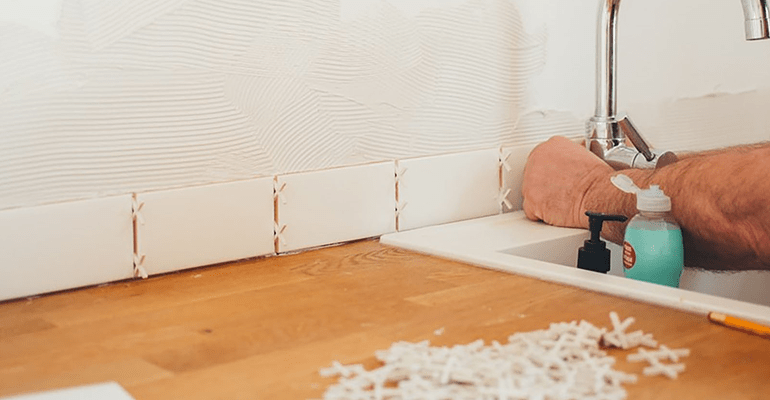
column 101, row 98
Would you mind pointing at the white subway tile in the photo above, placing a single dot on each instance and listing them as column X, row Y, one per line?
column 204, row 225
column 454, row 187
column 64, row 246
column 335, row 205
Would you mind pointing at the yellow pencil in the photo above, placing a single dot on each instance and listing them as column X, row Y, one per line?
column 740, row 324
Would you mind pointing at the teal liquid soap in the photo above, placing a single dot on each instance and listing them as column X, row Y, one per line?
column 655, row 256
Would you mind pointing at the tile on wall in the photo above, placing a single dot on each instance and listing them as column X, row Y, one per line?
column 204, row 225
column 448, row 188
column 335, row 205
column 514, row 159
column 63, row 246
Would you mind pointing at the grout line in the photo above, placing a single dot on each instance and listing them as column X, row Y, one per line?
column 135, row 224
column 500, row 173
column 397, row 183
column 136, row 220
column 275, row 214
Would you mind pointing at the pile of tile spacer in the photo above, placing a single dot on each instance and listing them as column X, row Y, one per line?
column 565, row 361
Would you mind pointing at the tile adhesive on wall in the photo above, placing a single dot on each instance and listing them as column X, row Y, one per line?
column 147, row 95
column 142, row 95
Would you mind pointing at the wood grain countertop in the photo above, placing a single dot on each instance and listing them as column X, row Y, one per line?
column 262, row 329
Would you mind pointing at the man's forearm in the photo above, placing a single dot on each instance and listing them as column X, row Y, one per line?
column 721, row 199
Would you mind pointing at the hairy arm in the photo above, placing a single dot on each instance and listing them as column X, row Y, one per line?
column 721, row 199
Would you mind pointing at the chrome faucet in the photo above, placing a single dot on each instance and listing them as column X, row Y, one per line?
column 607, row 131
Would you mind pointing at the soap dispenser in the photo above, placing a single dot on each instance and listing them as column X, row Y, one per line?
column 652, row 248
column 594, row 255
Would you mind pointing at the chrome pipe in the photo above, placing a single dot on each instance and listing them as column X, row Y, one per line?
column 606, row 63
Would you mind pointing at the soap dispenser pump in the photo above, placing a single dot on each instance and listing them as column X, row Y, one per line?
column 594, row 255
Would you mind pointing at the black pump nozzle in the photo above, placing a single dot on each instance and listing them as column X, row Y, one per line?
column 594, row 255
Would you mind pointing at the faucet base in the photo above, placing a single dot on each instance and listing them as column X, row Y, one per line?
column 624, row 157
column 606, row 137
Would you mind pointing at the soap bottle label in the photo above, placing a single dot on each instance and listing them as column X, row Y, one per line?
column 629, row 255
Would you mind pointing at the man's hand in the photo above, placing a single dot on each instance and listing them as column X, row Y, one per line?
column 557, row 177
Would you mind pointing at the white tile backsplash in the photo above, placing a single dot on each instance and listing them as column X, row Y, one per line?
column 67, row 245
column 336, row 205
column 204, row 225
column 441, row 189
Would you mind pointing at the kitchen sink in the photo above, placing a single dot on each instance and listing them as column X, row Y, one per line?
column 512, row 243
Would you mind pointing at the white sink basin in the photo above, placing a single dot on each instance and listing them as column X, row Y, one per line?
column 512, row 243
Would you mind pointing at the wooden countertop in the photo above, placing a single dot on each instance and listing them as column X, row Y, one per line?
column 262, row 329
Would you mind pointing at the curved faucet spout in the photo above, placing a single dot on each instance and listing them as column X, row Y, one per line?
column 756, row 13
column 606, row 130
